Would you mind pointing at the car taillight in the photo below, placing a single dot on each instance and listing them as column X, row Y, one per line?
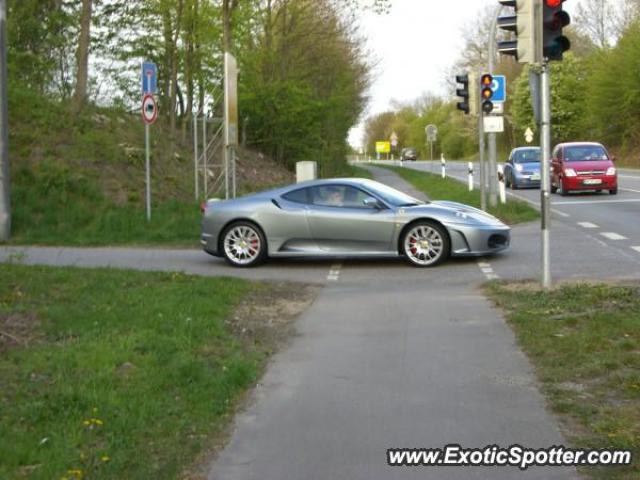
column 570, row 172
column 611, row 171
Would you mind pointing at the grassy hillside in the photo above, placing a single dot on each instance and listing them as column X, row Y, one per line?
column 80, row 178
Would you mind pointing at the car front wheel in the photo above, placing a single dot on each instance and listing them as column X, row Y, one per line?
column 243, row 244
column 426, row 244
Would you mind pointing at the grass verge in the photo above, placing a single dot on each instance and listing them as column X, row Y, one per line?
column 584, row 341
column 123, row 374
column 352, row 171
column 437, row 188
column 55, row 205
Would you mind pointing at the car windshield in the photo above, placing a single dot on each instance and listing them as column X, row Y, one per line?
column 530, row 155
column 585, row 153
column 391, row 195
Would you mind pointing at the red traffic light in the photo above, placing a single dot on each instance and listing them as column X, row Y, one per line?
column 554, row 3
column 486, row 80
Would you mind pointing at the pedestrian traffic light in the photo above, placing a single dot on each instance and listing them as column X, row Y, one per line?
column 463, row 93
column 486, row 92
column 525, row 23
column 554, row 19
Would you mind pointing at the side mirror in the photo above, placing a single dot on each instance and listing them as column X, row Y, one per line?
column 371, row 202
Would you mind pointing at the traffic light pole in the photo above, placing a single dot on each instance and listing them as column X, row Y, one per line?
column 493, row 171
column 483, row 182
column 545, row 197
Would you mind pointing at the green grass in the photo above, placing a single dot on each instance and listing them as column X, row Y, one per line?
column 53, row 205
column 142, row 368
column 437, row 188
column 584, row 341
column 352, row 171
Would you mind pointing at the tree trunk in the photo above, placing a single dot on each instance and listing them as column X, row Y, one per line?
column 82, row 56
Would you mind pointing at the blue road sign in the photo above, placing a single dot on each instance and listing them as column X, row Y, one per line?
column 149, row 78
column 499, row 88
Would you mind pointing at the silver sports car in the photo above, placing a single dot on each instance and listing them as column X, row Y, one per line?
column 346, row 218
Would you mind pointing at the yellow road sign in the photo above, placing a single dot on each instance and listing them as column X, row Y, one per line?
column 383, row 147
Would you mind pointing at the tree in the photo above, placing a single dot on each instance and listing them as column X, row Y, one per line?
column 82, row 56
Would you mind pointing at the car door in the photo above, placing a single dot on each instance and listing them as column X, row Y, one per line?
column 340, row 222
column 288, row 228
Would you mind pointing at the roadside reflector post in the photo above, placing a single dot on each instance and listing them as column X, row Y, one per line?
column 470, row 169
column 501, row 185
column 443, row 163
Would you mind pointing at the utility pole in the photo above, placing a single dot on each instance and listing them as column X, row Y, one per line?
column 5, row 197
column 545, row 187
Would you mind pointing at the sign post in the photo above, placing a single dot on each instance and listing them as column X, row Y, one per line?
column 149, row 116
column 431, row 131
column 394, row 144
column 230, row 122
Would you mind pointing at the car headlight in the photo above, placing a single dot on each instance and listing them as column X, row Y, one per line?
column 462, row 215
column 519, row 167
column 611, row 171
column 570, row 172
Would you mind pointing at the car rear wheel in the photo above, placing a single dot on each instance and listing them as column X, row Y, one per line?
column 426, row 244
column 243, row 244
column 613, row 191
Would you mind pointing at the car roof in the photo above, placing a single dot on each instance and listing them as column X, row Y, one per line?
column 532, row 147
column 578, row 144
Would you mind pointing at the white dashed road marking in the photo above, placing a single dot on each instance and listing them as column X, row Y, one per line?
column 334, row 273
column 613, row 236
column 487, row 270
column 587, row 225
column 562, row 214
column 630, row 190
column 637, row 249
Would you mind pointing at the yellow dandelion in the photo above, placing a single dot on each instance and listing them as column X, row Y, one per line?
column 86, row 423
column 98, row 421
column 105, row 458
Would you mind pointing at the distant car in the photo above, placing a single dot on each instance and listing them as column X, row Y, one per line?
column 582, row 166
column 523, row 168
column 409, row 153
column 346, row 218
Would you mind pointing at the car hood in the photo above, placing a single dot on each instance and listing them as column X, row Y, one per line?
column 455, row 212
column 589, row 165
column 530, row 166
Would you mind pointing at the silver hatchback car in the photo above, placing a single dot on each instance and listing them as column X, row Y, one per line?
column 346, row 218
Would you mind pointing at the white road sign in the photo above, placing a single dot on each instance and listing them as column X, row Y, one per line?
column 149, row 109
column 528, row 135
column 493, row 124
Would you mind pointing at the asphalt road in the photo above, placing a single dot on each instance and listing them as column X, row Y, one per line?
column 592, row 235
column 390, row 356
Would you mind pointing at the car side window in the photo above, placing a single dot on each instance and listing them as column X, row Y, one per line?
column 341, row 196
column 302, row 195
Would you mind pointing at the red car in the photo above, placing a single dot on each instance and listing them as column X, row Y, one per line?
column 582, row 166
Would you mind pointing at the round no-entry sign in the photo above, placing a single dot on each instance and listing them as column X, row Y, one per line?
column 149, row 109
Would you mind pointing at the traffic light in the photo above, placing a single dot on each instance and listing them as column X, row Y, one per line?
column 554, row 19
column 525, row 23
column 486, row 92
column 463, row 93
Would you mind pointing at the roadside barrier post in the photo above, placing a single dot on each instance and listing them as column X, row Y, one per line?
column 470, row 176
column 443, row 162
column 501, row 185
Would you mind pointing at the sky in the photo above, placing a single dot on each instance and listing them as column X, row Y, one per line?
column 415, row 44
